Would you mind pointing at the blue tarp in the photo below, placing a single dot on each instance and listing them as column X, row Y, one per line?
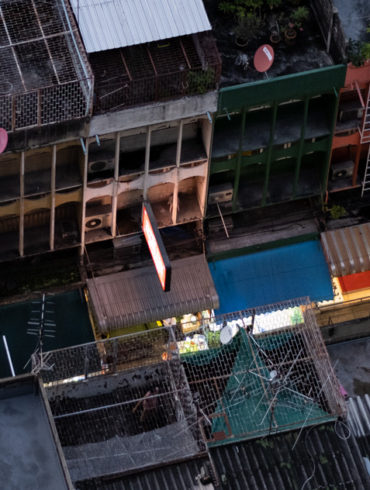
column 271, row 276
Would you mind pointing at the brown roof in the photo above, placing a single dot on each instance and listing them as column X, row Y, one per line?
column 134, row 297
column 347, row 250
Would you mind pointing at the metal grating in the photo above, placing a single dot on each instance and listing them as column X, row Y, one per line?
column 45, row 76
column 201, row 388
column 131, row 410
column 158, row 71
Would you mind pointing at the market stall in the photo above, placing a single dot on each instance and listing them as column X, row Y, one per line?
column 133, row 300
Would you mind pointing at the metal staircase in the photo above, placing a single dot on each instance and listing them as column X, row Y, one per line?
column 365, row 138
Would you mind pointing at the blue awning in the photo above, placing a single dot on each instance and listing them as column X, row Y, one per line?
column 271, row 276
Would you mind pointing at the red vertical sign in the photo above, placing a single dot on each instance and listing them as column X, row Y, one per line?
column 156, row 247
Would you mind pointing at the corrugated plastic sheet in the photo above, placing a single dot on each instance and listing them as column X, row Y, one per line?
column 135, row 297
column 347, row 250
column 111, row 24
column 272, row 276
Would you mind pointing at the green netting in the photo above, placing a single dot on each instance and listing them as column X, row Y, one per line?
column 252, row 404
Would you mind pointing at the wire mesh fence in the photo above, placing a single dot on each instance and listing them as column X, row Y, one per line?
column 243, row 375
column 159, row 71
column 45, row 76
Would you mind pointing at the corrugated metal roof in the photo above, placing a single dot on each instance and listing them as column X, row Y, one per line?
column 347, row 250
column 359, row 415
column 358, row 421
column 320, row 459
column 180, row 476
column 134, row 297
column 111, row 24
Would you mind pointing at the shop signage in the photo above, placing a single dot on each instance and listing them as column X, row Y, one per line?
column 156, row 246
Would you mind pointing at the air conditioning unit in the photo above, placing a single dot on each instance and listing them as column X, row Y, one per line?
column 340, row 170
column 350, row 114
column 222, row 193
column 98, row 221
column 100, row 162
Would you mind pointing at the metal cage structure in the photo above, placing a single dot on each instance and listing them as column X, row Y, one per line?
column 46, row 78
column 159, row 395
column 136, row 75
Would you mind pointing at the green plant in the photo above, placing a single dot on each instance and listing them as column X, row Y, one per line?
column 247, row 27
column 274, row 3
column 213, row 340
column 200, row 81
column 358, row 52
column 337, row 211
column 240, row 8
column 299, row 15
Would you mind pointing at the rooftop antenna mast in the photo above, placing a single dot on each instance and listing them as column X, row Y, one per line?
column 278, row 382
column 41, row 327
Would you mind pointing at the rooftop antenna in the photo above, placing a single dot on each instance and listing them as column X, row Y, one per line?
column 264, row 58
column 278, row 383
column 42, row 326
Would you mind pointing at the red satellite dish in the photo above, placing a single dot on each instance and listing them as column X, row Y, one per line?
column 263, row 58
column 3, row 139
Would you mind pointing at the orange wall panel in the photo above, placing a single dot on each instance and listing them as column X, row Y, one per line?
column 354, row 282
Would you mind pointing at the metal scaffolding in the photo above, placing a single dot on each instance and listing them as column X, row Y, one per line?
column 45, row 75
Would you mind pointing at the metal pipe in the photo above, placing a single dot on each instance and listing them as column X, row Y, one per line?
column 8, row 355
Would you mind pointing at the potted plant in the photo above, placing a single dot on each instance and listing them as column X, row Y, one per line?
column 247, row 28
column 357, row 52
column 299, row 16
column 290, row 33
column 296, row 19
column 275, row 36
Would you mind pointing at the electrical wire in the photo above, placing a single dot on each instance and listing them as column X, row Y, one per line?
column 312, row 458
column 343, row 438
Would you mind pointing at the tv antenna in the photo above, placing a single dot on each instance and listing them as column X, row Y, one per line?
column 281, row 387
column 41, row 326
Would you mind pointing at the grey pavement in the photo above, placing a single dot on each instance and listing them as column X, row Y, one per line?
column 352, row 365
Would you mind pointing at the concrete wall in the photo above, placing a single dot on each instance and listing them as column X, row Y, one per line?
column 331, row 30
column 154, row 114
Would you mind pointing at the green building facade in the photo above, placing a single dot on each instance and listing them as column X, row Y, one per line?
column 272, row 140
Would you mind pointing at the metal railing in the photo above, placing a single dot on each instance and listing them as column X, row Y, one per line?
column 46, row 105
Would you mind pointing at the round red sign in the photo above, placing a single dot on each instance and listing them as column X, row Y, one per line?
column 3, row 139
column 263, row 58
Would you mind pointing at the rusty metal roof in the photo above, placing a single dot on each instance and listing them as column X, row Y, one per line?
column 347, row 250
column 135, row 297
column 111, row 24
